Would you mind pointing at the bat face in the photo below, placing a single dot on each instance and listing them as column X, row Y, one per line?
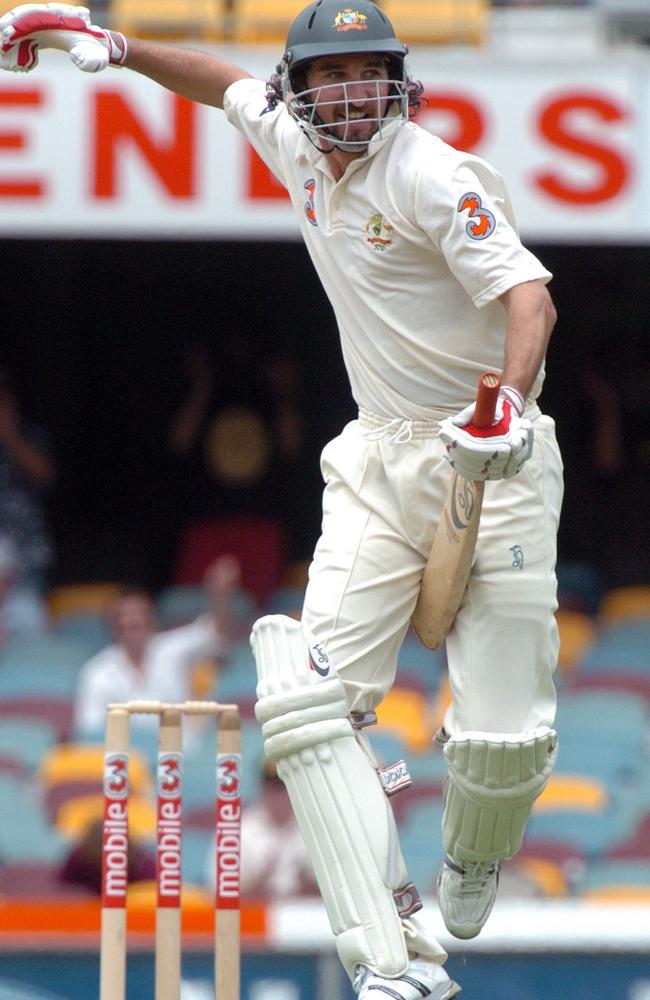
column 449, row 565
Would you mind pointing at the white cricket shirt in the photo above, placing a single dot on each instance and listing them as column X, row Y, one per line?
column 413, row 246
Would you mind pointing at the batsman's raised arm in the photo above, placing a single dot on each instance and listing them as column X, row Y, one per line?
column 192, row 74
column 29, row 28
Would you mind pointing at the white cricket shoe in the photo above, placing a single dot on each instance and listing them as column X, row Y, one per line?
column 421, row 979
column 466, row 895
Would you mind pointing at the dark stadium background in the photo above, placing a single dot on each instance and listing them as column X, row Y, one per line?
column 94, row 333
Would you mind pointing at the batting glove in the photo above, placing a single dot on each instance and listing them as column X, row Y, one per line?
column 30, row 27
column 495, row 452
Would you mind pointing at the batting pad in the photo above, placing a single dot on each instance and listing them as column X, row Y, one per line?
column 345, row 818
column 493, row 781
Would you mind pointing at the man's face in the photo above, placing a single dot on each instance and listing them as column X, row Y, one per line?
column 132, row 618
column 351, row 95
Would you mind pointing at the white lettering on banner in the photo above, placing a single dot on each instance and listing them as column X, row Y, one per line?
column 567, row 138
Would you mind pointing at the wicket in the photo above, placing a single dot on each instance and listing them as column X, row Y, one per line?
column 168, row 848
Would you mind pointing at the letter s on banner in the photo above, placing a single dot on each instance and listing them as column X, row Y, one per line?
column 555, row 125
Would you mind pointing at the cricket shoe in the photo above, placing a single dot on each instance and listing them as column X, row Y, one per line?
column 421, row 979
column 466, row 895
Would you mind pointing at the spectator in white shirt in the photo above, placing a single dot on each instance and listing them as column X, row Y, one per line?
column 146, row 664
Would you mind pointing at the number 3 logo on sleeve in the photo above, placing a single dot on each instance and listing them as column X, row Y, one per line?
column 481, row 222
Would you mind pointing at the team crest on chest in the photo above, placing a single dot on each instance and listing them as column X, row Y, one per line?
column 379, row 232
column 350, row 20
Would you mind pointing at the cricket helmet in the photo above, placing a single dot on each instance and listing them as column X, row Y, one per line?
column 330, row 28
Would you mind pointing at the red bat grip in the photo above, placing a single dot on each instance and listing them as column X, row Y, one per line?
column 486, row 399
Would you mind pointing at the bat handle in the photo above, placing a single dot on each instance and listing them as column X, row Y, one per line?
column 487, row 394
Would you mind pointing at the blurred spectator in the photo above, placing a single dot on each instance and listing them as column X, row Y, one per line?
column 83, row 865
column 26, row 472
column 237, row 438
column 22, row 610
column 146, row 664
column 274, row 862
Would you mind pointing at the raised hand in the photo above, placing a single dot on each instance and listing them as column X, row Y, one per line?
column 30, row 27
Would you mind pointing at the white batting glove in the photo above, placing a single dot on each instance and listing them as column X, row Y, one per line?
column 495, row 452
column 32, row 26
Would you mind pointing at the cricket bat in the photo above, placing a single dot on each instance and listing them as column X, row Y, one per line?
column 449, row 564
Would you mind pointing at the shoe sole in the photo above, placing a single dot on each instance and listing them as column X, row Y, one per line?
column 456, row 989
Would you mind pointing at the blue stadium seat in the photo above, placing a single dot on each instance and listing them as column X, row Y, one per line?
column 624, row 647
column 25, row 832
column 421, row 844
column 416, row 660
column 48, row 665
column 26, row 740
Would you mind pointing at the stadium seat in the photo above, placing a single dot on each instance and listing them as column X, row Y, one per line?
column 406, row 713
column 420, row 791
column 577, row 633
column 25, row 831
column 421, row 844
column 592, row 833
column 624, row 646
column 26, row 740
column 614, row 681
column 624, row 603
column 36, row 880
column 91, row 629
column 237, row 678
column 75, row 816
column 621, row 880
column 47, row 665
column 439, row 22
column 197, row 846
column 85, row 762
column 258, row 543
column 80, row 598
column 55, row 712
column 572, row 791
column 170, row 18
column 605, row 712
column 637, row 845
column 579, row 587
column 262, row 21
column 415, row 660
column 546, row 876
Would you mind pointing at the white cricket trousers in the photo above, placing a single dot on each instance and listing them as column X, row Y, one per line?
column 385, row 487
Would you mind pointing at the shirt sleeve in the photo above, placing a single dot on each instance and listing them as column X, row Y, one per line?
column 465, row 210
column 270, row 130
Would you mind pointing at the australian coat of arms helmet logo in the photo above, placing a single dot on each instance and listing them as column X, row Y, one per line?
column 350, row 20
